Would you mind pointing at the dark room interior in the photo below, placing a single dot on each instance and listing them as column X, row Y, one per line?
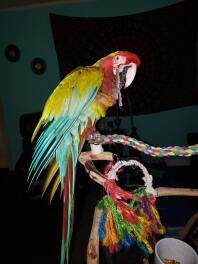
column 42, row 42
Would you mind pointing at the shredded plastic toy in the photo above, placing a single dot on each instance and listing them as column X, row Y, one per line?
column 129, row 218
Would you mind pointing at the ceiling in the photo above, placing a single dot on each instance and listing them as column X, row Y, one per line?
column 20, row 4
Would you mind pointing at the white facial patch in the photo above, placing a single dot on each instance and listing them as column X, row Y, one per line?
column 118, row 60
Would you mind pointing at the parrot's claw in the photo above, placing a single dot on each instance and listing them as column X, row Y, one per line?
column 94, row 137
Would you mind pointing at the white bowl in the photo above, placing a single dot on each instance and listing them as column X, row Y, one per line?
column 172, row 248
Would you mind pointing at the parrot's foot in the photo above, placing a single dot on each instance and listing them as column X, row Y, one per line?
column 93, row 137
column 95, row 147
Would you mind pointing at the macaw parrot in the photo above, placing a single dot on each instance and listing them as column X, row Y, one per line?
column 68, row 117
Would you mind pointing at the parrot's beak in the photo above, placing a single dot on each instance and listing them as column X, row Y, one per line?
column 126, row 74
column 129, row 72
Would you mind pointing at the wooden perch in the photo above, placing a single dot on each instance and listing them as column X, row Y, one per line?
column 166, row 191
column 87, row 158
column 93, row 244
column 184, row 233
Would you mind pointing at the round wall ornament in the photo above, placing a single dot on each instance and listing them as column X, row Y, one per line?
column 12, row 53
column 38, row 66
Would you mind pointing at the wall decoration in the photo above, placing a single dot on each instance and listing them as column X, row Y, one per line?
column 164, row 39
column 38, row 66
column 12, row 53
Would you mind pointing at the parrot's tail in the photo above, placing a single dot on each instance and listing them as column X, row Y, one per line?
column 68, row 211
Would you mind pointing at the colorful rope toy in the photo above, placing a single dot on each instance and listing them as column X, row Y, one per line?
column 129, row 218
column 97, row 138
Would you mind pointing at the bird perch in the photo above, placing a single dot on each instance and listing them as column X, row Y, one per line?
column 86, row 159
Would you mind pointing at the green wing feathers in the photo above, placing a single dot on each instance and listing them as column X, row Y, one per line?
column 64, row 118
column 82, row 79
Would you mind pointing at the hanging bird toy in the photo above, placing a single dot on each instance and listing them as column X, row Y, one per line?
column 129, row 218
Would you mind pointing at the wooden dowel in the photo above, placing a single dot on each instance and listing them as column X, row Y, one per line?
column 166, row 191
column 97, row 178
column 85, row 156
column 93, row 244
column 186, row 230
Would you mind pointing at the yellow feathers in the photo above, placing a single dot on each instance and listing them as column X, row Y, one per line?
column 83, row 79
column 50, row 174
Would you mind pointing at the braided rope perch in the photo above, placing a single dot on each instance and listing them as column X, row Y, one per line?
column 170, row 151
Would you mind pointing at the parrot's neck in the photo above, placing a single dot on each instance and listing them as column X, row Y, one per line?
column 109, row 83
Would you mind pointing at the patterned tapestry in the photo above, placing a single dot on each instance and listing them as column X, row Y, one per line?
column 164, row 39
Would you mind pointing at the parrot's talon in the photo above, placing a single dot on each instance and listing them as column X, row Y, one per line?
column 93, row 138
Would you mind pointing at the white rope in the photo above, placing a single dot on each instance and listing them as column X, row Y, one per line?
column 148, row 179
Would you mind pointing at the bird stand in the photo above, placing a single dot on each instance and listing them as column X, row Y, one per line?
column 131, row 205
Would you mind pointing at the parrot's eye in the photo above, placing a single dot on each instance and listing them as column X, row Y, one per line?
column 119, row 59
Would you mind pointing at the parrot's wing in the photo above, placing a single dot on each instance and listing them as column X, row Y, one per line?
column 64, row 118
column 63, row 115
